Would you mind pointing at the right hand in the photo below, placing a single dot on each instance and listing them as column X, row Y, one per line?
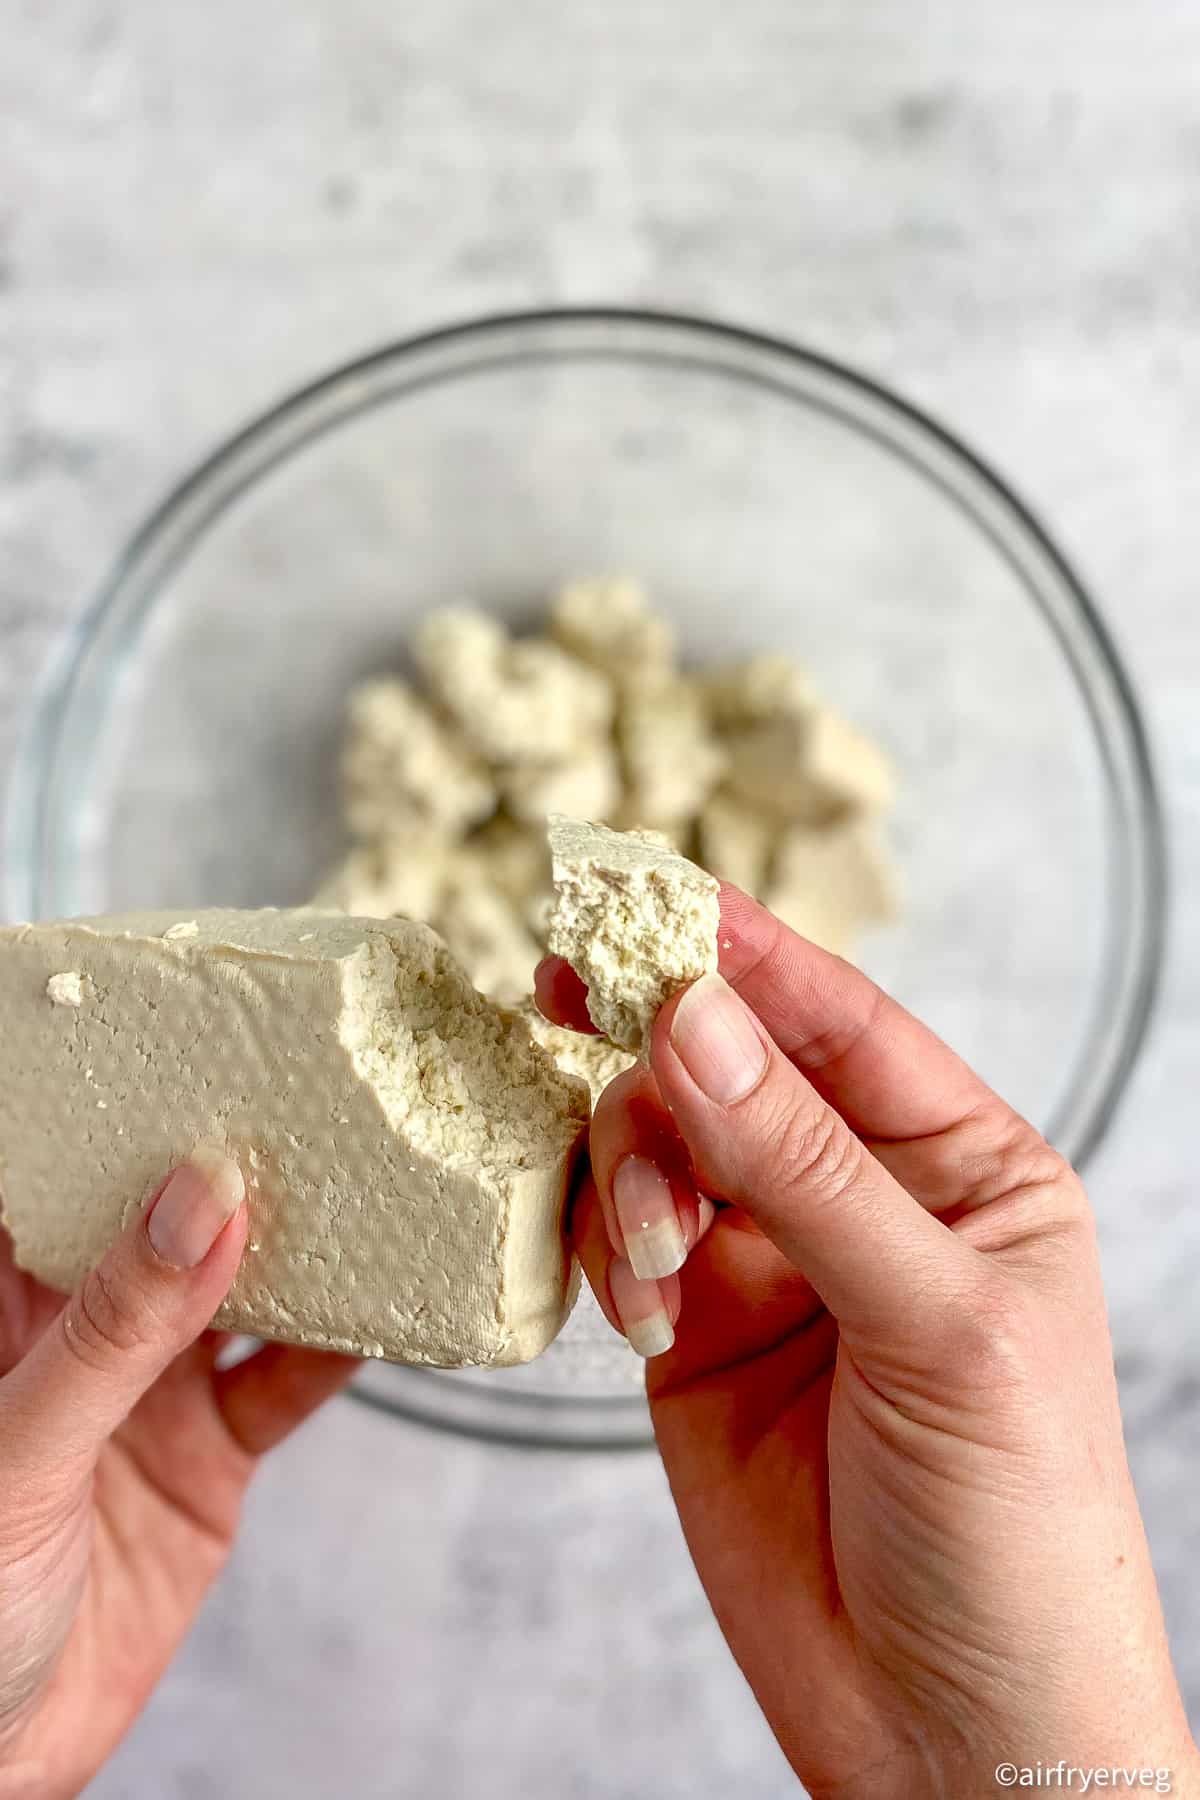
column 889, row 1415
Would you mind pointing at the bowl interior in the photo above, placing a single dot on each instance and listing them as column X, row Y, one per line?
column 191, row 758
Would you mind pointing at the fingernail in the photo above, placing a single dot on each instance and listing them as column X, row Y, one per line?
column 706, row 1212
column 715, row 1038
column 650, row 1229
column 194, row 1208
column 644, row 1318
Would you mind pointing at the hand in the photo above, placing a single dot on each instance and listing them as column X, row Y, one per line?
column 889, row 1414
column 126, row 1455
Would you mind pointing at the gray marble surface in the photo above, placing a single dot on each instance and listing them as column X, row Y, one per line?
column 995, row 209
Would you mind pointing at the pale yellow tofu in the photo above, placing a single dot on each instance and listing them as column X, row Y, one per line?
column 832, row 885
column 403, row 769
column 813, row 767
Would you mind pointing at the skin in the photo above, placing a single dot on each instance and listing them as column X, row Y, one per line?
column 889, row 1417
column 126, row 1456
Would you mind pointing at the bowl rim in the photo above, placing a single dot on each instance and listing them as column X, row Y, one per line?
column 1133, row 788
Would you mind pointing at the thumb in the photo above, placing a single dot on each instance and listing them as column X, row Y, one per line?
column 761, row 1136
column 155, row 1291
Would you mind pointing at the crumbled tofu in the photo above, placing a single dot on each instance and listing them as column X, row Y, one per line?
column 513, row 860
column 396, row 875
column 407, row 1145
column 404, row 770
column 512, row 857
column 536, row 914
column 674, row 834
column 649, row 834
column 516, row 700
column 737, row 842
column 183, row 928
column 605, row 621
column 596, row 1060
column 488, row 936
column 589, row 784
column 65, row 989
column 670, row 758
column 634, row 920
column 832, row 884
column 448, row 792
column 812, row 767
column 766, row 686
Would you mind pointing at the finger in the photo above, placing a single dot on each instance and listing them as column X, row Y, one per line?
column 741, row 1300
column 26, row 1307
column 647, row 1309
column 922, row 1111
column 147, row 1301
column 887, row 1074
column 738, row 1294
column 592, row 1245
column 643, row 1176
column 267, row 1395
column 644, row 1312
column 560, row 994
column 761, row 1136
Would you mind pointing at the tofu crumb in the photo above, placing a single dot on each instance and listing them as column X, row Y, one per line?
column 515, row 700
column 606, row 621
column 670, row 758
column 596, row 1060
column 66, row 989
column 832, row 885
column 448, row 780
column 636, row 922
column 406, row 770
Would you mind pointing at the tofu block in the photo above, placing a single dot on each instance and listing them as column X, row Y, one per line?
column 813, row 767
column 403, row 770
column 737, row 842
column 634, row 920
column 596, row 1060
column 605, row 621
column 397, row 875
column 831, row 885
column 515, row 700
column 670, row 758
column 406, row 1145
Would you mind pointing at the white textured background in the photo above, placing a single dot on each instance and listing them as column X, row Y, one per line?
column 996, row 208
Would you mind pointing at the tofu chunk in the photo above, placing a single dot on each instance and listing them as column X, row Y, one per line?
column 634, row 920
column 406, row 1145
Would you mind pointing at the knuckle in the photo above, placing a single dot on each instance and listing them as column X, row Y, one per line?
column 1010, row 1156
column 816, row 1154
column 835, row 1042
column 1071, row 1200
column 96, row 1324
column 993, row 1335
column 1068, row 1222
column 1024, row 1198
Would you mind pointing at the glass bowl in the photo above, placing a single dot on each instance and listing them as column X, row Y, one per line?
column 184, row 751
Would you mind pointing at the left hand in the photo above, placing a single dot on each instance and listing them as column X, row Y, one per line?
column 126, row 1455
